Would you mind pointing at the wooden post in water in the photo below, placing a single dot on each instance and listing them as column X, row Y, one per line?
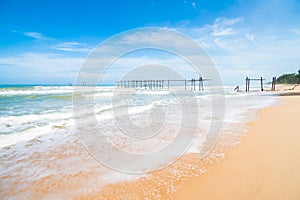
column 168, row 84
column 261, row 84
column 194, row 84
column 247, row 84
column 200, row 83
column 273, row 83
column 184, row 84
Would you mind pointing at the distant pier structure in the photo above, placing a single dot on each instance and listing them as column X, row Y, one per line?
column 261, row 79
column 193, row 83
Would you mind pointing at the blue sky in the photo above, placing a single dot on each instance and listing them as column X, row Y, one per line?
column 44, row 42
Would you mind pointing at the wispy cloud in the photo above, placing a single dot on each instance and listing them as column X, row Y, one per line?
column 72, row 47
column 297, row 31
column 35, row 35
column 222, row 21
column 236, row 47
column 223, row 32
column 42, row 61
column 33, row 67
column 224, row 26
column 250, row 37
column 183, row 23
column 240, row 49
column 194, row 5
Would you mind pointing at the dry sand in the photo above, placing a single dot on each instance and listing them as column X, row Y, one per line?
column 265, row 165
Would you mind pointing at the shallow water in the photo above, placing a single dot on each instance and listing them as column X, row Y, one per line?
column 42, row 154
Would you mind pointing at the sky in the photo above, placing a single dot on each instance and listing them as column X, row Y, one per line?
column 46, row 42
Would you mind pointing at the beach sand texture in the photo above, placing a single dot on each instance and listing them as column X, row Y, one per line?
column 266, row 165
column 262, row 164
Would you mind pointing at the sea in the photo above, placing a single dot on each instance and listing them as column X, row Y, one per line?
column 42, row 154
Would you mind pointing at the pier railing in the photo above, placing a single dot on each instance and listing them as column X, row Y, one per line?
column 163, row 83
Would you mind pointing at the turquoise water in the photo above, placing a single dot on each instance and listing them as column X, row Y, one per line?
column 32, row 109
column 40, row 150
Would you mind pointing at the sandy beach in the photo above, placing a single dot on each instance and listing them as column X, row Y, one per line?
column 260, row 162
column 265, row 165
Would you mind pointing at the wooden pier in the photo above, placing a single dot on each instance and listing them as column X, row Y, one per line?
column 162, row 84
column 261, row 83
column 254, row 79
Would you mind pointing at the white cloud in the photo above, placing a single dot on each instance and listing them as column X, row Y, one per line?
column 33, row 66
column 240, row 50
column 221, row 27
column 297, row 31
column 43, row 63
column 250, row 37
column 71, row 46
column 233, row 44
column 194, row 5
column 39, row 68
column 223, row 22
column 35, row 35
column 183, row 23
column 224, row 26
column 224, row 32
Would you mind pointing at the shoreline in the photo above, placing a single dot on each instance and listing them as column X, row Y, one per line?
column 163, row 183
column 262, row 166
column 160, row 184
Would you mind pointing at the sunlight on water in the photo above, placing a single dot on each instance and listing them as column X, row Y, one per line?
column 41, row 154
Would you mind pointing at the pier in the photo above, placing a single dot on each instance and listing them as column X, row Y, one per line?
column 261, row 79
column 193, row 83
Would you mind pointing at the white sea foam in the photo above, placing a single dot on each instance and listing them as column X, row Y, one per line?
column 237, row 105
column 54, row 127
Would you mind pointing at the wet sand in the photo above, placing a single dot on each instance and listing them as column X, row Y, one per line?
column 265, row 165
